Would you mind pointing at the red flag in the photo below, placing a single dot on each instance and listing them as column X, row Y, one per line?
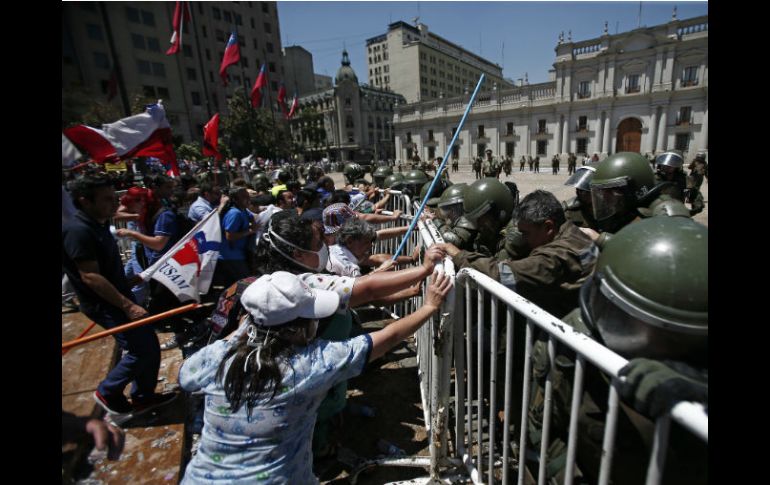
column 181, row 15
column 256, row 91
column 211, row 138
column 282, row 99
column 144, row 135
column 232, row 56
column 294, row 106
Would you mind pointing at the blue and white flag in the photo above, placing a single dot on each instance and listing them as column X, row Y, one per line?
column 188, row 267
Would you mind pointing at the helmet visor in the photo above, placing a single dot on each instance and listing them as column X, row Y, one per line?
column 608, row 199
column 581, row 179
column 670, row 160
column 451, row 212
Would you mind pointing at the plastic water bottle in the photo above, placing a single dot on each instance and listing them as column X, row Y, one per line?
column 389, row 448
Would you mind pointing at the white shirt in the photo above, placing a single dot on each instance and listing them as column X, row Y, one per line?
column 343, row 262
column 264, row 217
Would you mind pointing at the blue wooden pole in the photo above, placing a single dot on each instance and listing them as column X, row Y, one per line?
column 440, row 169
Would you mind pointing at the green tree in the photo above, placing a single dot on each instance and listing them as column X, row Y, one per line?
column 249, row 131
column 80, row 105
column 189, row 151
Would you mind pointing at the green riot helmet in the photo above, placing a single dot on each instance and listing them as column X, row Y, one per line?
column 414, row 180
column 281, row 176
column 621, row 183
column 260, row 182
column 438, row 190
column 450, row 205
column 648, row 296
column 352, row 171
column 314, row 173
column 394, row 181
column 488, row 195
column 380, row 174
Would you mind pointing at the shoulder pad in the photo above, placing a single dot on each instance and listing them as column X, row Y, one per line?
column 464, row 223
column 572, row 204
column 451, row 237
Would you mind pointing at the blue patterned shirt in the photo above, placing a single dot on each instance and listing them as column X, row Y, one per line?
column 274, row 445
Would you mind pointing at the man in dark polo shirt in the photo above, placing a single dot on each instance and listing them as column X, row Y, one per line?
column 91, row 260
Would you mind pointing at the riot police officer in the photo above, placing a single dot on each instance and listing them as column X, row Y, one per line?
column 413, row 182
column 488, row 204
column 579, row 209
column 623, row 188
column 668, row 168
column 352, row 172
column 380, row 174
column 490, row 167
column 643, row 303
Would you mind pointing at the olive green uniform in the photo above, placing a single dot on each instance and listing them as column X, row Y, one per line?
column 462, row 233
column 490, row 168
column 550, row 276
column 686, row 456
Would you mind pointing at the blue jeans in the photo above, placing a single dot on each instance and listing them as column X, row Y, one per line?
column 141, row 290
column 140, row 365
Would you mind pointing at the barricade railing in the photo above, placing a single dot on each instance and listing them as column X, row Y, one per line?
column 460, row 345
column 476, row 403
column 434, row 343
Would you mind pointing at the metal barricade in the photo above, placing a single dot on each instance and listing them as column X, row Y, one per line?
column 455, row 351
column 475, row 400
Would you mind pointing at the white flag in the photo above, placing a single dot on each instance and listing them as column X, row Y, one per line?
column 68, row 152
column 188, row 267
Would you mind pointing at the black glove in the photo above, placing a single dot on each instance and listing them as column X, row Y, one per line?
column 653, row 387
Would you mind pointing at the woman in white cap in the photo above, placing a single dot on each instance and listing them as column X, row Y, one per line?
column 265, row 382
column 297, row 246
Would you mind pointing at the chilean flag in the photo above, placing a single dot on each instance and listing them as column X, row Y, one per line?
column 282, row 99
column 256, row 91
column 211, row 138
column 144, row 135
column 294, row 106
column 232, row 56
column 181, row 15
column 188, row 267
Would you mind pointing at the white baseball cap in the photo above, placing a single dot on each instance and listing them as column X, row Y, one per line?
column 281, row 297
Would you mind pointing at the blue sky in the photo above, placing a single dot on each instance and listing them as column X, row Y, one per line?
column 529, row 30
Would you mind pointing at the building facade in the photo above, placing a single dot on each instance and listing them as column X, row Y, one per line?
column 644, row 91
column 421, row 65
column 120, row 47
column 346, row 122
column 298, row 65
column 322, row 81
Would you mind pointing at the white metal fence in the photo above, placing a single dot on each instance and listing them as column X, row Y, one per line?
column 462, row 344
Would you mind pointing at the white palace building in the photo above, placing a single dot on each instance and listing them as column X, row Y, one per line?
column 644, row 91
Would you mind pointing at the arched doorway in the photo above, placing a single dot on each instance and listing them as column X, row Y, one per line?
column 629, row 136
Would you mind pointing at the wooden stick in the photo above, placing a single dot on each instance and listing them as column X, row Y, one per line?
column 132, row 325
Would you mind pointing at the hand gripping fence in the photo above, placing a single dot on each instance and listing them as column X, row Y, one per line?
column 459, row 346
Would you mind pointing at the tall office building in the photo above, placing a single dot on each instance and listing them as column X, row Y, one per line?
column 118, row 49
column 421, row 65
column 298, row 64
